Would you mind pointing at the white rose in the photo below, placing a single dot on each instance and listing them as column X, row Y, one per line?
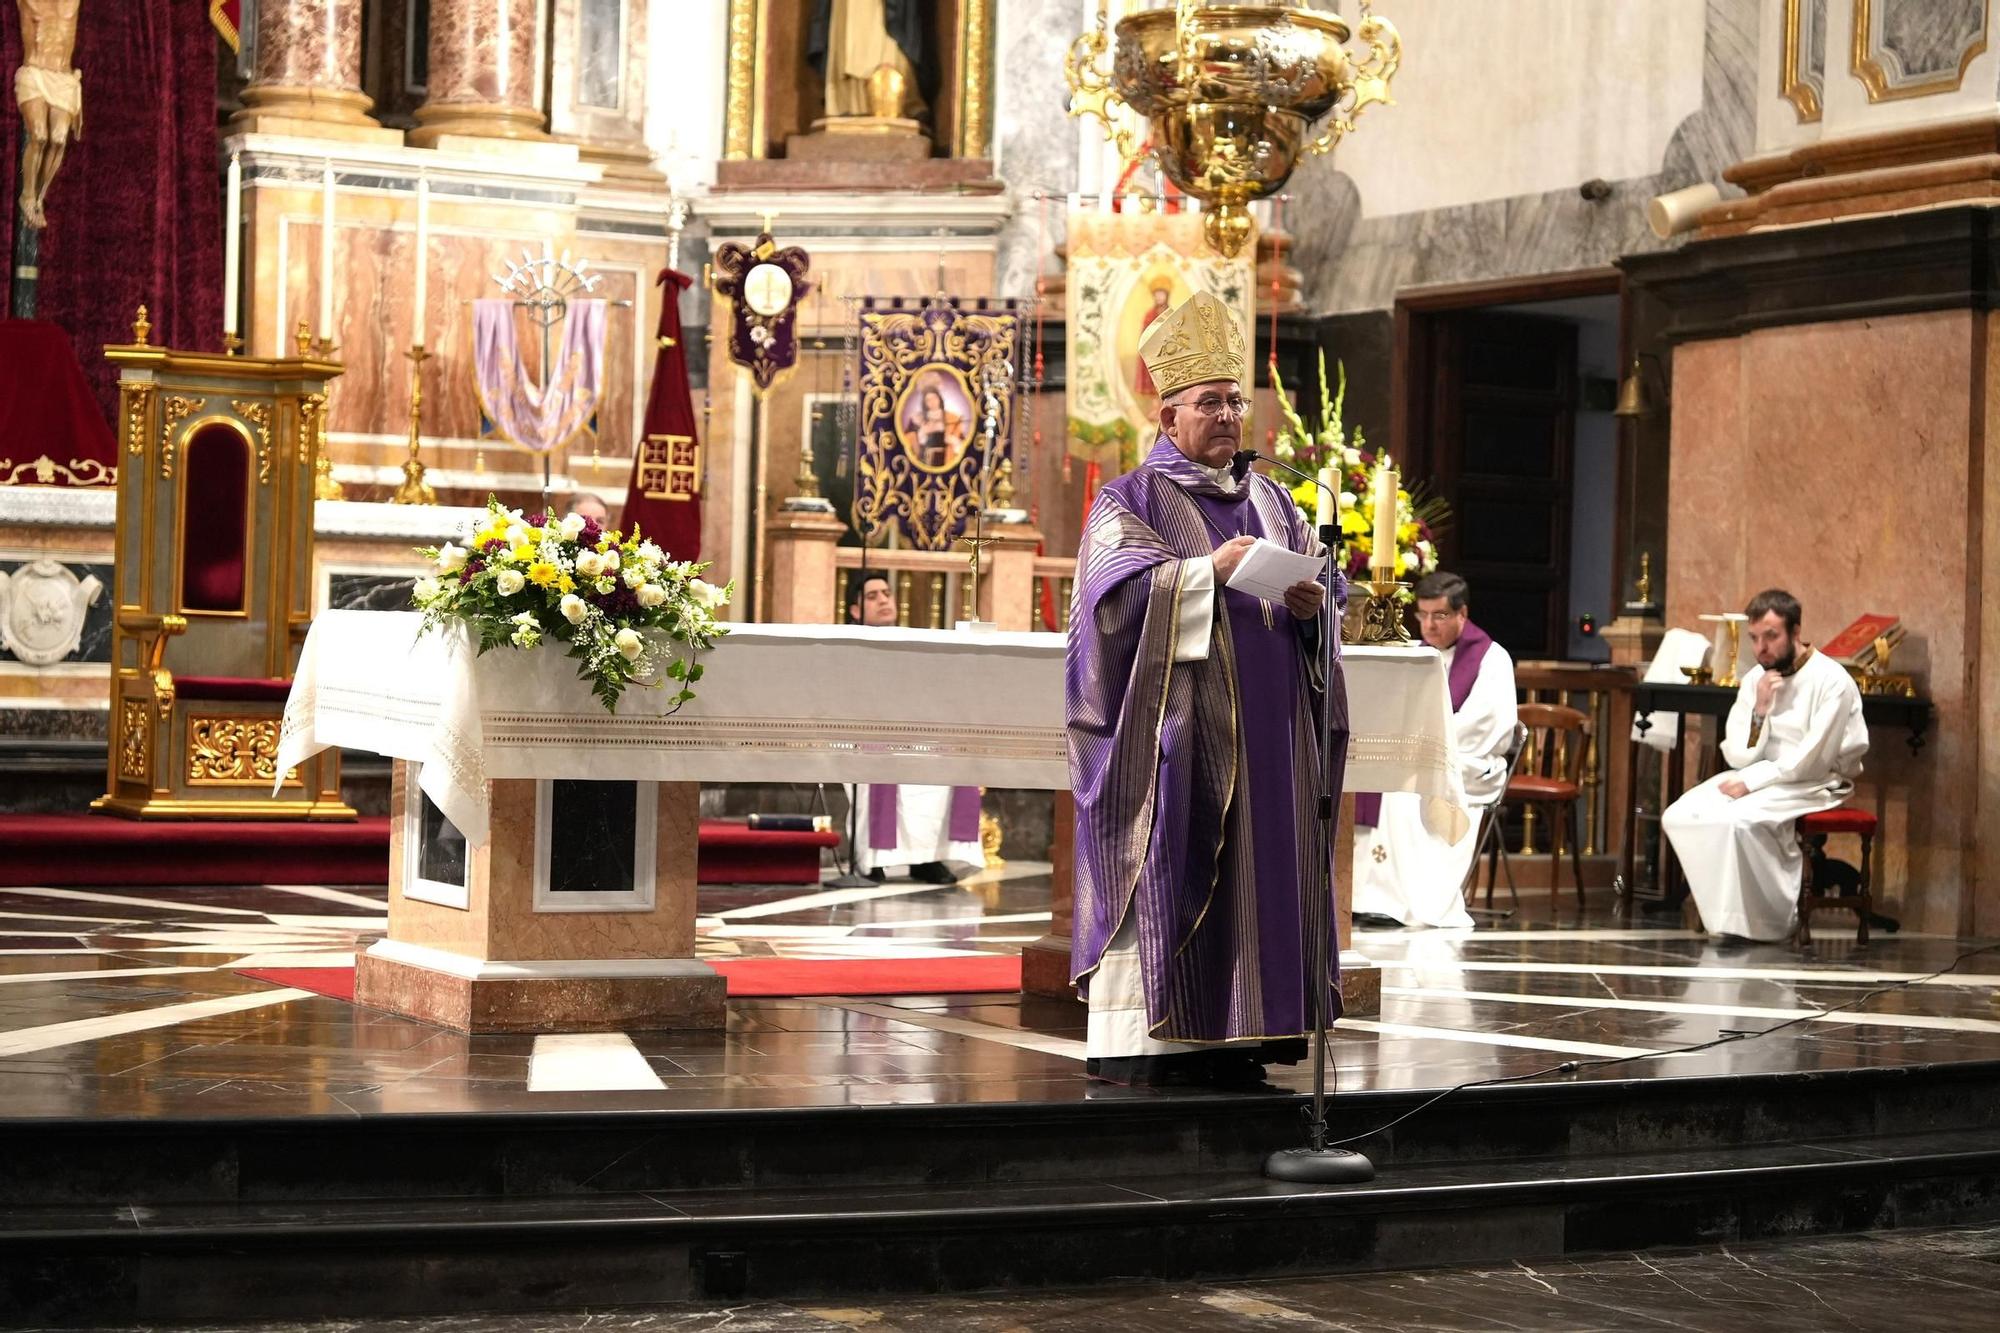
column 574, row 608
column 1352, row 457
column 510, row 581
column 705, row 592
column 525, row 618
column 610, row 560
column 651, row 595
column 427, row 589
column 572, row 527
column 630, row 644
column 1405, row 561
column 634, row 576
column 451, row 558
column 517, row 534
column 1347, row 501
column 648, row 551
column 588, row 564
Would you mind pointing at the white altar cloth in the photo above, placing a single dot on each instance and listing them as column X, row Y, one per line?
column 1399, row 728
column 780, row 703
column 777, row 703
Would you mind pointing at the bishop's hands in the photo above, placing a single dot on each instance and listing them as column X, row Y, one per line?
column 1301, row 599
column 1228, row 556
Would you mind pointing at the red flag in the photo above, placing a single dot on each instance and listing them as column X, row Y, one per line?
column 665, row 498
column 227, row 16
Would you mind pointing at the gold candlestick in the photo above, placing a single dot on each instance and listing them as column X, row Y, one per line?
column 1382, row 613
column 414, row 489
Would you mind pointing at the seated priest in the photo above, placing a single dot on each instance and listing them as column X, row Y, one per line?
column 929, row 830
column 1193, row 744
column 1794, row 742
column 1403, row 872
column 592, row 507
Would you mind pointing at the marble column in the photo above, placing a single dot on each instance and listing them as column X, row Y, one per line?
column 308, row 67
column 482, row 72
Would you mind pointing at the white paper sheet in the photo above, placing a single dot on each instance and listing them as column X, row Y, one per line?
column 1267, row 569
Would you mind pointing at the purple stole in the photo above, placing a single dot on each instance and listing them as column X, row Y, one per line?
column 1472, row 646
column 963, row 825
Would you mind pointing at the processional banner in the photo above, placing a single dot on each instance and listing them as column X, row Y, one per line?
column 936, row 414
column 1125, row 271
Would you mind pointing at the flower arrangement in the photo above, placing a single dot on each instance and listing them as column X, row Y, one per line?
column 1418, row 517
column 629, row 615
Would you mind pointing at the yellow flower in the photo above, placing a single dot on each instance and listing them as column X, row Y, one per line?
column 566, row 584
column 521, row 555
column 542, row 573
column 1355, row 523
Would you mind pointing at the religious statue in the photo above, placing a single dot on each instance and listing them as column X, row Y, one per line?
column 869, row 51
column 50, row 93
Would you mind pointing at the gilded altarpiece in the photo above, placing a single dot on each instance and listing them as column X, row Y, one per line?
column 929, row 428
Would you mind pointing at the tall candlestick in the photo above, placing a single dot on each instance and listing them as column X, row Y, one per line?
column 1325, row 511
column 423, row 261
column 326, row 256
column 232, row 246
column 1383, row 557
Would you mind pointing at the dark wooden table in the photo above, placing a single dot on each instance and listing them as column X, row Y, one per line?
column 1878, row 710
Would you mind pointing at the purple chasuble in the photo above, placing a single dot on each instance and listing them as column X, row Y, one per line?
column 1195, row 782
column 963, row 825
column 1472, row 645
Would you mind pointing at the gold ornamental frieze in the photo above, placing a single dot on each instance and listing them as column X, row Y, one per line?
column 259, row 416
column 232, row 750
column 135, row 730
column 179, row 407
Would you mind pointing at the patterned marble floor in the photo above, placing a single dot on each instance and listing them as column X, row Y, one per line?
column 1940, row 1280
column 134, row 1002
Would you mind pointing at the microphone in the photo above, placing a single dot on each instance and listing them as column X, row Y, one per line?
column 1240, row 464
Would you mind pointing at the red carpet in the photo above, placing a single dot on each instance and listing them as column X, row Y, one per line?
column 95, row 851
column 769, row 976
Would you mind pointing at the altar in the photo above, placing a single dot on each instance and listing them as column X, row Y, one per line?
column 542, row 855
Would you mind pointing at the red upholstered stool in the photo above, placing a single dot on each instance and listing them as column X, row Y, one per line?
column 1813, row 831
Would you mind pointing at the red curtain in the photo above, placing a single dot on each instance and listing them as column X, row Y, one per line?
column 136, row 211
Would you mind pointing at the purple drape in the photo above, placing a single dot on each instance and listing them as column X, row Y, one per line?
column 135, row 214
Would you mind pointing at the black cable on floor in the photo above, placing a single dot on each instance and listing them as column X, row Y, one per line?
column 1602, row 1062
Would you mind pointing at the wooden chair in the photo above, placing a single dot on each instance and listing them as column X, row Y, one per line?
column 1558, row 738
column 1813, row 831
column 1492, row 840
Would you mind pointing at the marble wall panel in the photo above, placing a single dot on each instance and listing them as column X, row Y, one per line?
column 1036, row 141
column 1834, row 460
column 309, row 43
column 1356, row 256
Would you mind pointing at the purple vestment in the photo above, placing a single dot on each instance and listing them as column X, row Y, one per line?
column 1196, row 782
column 1472, row 645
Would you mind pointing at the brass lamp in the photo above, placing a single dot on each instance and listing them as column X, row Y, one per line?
column 1231, row 94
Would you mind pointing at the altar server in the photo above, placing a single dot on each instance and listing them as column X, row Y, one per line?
column 931, row 831
column 1794, row 743
column 1402, row 870
column 1193, row 743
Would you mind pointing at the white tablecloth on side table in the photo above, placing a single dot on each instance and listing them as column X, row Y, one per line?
column 1399, row 723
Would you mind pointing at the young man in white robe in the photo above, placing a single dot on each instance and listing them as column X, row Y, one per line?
column 1403, row 872
column 1794, row 743
column 927, row 832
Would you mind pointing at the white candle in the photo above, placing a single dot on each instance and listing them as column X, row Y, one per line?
column 1325, row 511
column 326, row 255
column 423, row 260
column 1383, row 557
column 232, row 246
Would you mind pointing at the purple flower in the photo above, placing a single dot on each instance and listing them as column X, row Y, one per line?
column 591, row 534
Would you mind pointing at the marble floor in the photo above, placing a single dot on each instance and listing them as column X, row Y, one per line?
column 1939, row 1281
column 134, row 1002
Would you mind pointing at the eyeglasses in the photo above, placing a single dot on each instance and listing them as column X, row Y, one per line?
column 1209, row 405
column 1434, row 617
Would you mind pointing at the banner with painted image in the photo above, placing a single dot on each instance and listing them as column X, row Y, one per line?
column 1125, row 270
column 936, row 412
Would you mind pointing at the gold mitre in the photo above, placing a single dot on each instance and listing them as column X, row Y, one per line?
column 1195, row 342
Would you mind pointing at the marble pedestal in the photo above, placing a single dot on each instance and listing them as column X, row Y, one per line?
column 511, row 947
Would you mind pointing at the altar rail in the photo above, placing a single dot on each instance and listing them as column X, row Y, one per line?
column 933, row 589
column 1604, row 695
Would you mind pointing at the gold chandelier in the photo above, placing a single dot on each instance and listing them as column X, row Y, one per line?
column 1230, row 94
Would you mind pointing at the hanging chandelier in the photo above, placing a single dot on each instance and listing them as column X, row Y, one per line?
column 1230, row 94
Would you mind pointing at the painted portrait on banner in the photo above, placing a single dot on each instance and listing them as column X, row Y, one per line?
column 935, row 406
column 1125, row 271
column 935, row 419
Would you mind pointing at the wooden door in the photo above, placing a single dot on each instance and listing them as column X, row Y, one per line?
column 1503, row 421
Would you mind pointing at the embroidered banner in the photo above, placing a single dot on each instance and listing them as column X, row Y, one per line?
column 1125, row 271
column 517, row 410
column 936, row 411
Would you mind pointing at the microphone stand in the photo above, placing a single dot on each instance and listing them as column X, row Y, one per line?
column 1315, row 1163
column 851, row 877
